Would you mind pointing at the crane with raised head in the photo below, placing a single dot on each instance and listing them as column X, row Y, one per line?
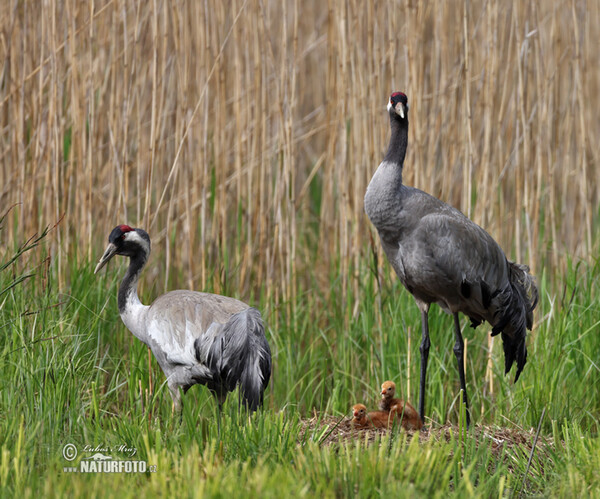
column 196, row 338
column 442, row 257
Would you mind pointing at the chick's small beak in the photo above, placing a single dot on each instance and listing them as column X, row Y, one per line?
column 110, row 251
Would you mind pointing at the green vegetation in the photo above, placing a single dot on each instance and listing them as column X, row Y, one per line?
column 71, row 373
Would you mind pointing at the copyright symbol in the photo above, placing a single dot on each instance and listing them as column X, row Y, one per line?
column 69, row 452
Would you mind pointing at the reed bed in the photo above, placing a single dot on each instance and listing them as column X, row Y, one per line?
column 242, row 134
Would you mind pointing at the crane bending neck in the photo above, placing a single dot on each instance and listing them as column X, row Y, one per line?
column 132, row 311
column 128, row 295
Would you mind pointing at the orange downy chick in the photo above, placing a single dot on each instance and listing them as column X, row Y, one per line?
column 405, row 412
column 374, row 419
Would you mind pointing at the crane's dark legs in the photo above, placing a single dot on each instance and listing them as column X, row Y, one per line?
column 220, row 411
column 220, row 400
column 177, row 402
column 425, row 343
column 459, row 351
column 176, row 396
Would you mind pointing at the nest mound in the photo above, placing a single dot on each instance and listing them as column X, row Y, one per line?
column 328, row 430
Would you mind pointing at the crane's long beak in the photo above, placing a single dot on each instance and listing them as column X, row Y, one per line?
column 400, row 109
column 111, row 250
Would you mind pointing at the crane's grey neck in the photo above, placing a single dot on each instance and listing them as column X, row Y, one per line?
column 398, row 141
column 128, row 295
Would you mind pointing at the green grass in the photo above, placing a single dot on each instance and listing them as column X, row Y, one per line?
column 71, row 373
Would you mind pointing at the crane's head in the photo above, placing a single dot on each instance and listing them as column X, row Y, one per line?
column 388, row 390
column 125, row 241
column 359, row 411
column 398, row 104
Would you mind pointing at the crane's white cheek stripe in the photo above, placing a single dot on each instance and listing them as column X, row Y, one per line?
column 133, row 236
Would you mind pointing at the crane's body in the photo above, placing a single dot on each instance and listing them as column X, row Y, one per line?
column 196, row 338
column 425, row 264
column 442, row 257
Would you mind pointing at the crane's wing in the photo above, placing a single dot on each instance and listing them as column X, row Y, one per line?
column 444, row 257
column 177, row 319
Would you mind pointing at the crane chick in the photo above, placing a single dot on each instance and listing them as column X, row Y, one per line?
column 374, row 419
column 196, row 338
column 406, row 413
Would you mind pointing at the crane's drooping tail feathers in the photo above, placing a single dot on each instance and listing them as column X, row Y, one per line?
column 241, row 354
column 257, row 372
column 515, row 315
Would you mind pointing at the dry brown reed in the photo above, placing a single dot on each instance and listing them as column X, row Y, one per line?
column 242, row 134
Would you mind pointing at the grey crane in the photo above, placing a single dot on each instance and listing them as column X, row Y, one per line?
column 442, row 257
column 197, row 338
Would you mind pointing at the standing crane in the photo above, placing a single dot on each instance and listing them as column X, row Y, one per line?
column 442, row 257
column 196, row 338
